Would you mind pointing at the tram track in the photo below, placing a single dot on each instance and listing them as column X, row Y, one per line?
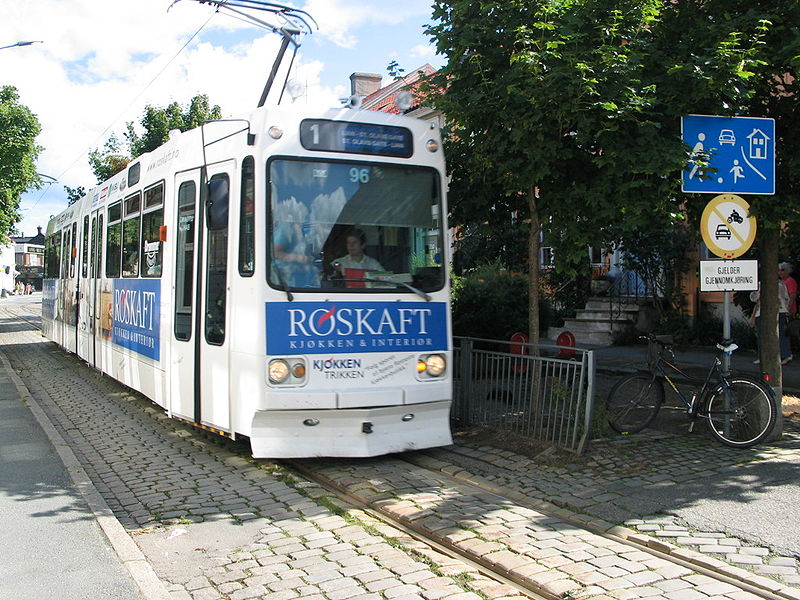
column 535, row 574
column 440, row 545
column 599, row 527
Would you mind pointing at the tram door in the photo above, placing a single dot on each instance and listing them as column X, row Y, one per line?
column 182, row 350
column 93, row 296
column 84, row 296
column 199, row 378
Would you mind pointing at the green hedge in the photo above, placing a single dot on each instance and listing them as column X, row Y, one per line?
column 492, row 303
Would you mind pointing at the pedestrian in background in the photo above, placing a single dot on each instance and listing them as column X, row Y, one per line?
column 785, row 271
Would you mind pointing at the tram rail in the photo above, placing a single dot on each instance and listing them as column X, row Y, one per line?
column 511, row 564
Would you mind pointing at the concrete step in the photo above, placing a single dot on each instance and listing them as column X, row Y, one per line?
column 582, row 337
column 597, row 324
column 604, row 315
column 600, row 303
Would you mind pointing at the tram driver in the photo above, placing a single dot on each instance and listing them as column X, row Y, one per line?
column 356, row 241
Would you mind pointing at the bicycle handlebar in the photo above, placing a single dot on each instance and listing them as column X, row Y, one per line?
column 665, row 341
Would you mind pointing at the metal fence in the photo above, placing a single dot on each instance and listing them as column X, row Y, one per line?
column 541, row 392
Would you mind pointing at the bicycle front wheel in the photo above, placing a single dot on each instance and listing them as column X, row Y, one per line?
column 742, row 413
column 633, row 403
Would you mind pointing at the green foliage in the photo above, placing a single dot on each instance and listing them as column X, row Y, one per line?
column 74, row 194
column 491, row 302
column 477, row 242
column 157, row 123
column 109, row 161
column 581, row 100
column 18, row 151
column 552, row 95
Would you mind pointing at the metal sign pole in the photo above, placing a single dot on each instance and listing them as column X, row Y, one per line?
column 726, row 330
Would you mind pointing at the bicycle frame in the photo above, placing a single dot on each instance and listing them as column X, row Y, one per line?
column 693, row 407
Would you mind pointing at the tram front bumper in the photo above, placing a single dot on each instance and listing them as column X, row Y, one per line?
column 351, row 432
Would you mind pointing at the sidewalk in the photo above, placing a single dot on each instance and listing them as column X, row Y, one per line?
column 49, row 515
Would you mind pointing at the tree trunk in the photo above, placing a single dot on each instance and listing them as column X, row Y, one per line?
column 768, row 345
column 533, row 266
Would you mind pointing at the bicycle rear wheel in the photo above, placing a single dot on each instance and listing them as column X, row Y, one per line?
column 743, row 416
column 633, row 403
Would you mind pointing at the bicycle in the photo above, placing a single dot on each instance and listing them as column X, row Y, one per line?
column 740, row 410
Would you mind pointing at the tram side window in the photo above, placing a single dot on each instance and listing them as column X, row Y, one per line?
column 52, row 251
column 98, row 260
column 113, row 240
column 93, row 237
column 247, row 241
column 85, row 253
column 73, row 252
column 152, row 248
column 130, row 236
column 216, row 296
column 184, row 267
column 66, row 244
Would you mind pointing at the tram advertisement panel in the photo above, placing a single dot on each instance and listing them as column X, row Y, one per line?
column 355, row 327
column 136, row 315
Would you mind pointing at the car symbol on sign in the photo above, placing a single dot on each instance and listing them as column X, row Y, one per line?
column 726, row 137
column 722, row 232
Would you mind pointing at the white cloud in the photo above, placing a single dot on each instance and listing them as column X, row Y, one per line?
column 423, row 52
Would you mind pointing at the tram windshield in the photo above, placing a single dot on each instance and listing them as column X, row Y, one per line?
column 354, row 226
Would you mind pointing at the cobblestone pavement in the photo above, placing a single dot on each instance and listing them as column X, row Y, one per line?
column 215, row 524
column 622, row 476
column 212, row 523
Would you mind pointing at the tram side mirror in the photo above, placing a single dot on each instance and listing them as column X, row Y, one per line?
column 217, row 204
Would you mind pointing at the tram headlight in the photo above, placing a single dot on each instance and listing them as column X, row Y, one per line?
column 278, row 371
column 436, row 365
column 431, row 365
column 288, row 371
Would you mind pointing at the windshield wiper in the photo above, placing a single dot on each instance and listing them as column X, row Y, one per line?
column 427, row 297
column 282, row 281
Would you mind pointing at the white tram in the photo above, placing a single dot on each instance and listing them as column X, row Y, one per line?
column 220, row 276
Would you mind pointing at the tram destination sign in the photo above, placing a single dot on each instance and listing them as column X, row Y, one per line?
column 728, row 275
column 356, row 138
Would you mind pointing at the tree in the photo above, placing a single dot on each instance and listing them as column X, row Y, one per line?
column 157, row 122
column 567, row 114
column 550, row 120
column 741, row 58
column 110, row 161
column 18, row 152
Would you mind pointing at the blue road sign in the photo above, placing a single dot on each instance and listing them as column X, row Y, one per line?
column 740, row 152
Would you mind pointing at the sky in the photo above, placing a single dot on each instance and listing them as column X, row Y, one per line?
column 100, row 62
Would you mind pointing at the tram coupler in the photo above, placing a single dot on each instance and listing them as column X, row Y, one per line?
column 366, row 427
